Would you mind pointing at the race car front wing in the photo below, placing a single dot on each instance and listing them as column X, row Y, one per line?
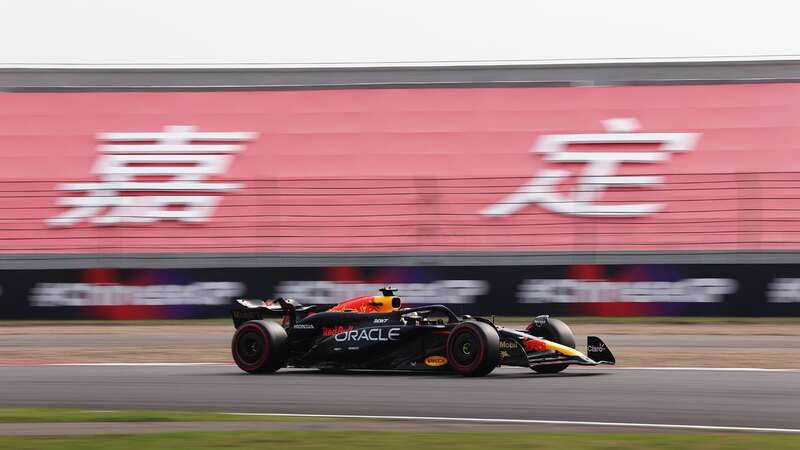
column 597, row 352
column 519, row 348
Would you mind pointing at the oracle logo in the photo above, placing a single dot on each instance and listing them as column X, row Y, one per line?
column 368, row 334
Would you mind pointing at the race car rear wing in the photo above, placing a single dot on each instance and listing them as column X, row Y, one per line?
column 243, row 310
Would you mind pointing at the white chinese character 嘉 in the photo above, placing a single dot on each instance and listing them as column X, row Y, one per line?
column 152, row 176
column 598, row 173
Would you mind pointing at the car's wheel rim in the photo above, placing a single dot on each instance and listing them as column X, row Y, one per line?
column 250, row 346
column 465, row 348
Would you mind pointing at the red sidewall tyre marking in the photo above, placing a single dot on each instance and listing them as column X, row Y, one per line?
column 235, row 348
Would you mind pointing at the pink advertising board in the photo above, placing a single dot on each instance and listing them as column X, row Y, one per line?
column 471, row 169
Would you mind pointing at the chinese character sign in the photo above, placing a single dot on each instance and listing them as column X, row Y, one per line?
column 597, row 175
column 152, row 176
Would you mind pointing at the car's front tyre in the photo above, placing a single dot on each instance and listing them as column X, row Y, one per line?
column 556, row 331
column 473, row 348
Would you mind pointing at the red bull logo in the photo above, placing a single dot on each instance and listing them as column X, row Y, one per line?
column 334, row 330
column 535, row 345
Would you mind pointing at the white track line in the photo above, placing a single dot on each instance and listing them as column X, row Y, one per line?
column 143, row 364
column 719, row 369
column 532, row 422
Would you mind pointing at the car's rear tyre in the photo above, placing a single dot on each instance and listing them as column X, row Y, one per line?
column 556, row 331
column 260, row 346
column 473, row 348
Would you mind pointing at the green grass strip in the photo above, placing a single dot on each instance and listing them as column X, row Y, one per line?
column 65, row 415
column 350, row 440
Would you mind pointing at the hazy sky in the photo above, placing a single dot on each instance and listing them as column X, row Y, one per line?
column 237, row 32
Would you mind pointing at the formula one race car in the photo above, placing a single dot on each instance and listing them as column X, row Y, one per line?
column 376, row 333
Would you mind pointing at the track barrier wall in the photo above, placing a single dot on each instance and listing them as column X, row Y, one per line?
column 656, row 168
column 646, row 290
column 551, row 169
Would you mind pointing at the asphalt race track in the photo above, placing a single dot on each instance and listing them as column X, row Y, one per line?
column 737, row 398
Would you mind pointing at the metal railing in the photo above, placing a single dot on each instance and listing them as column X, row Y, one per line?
column 711, row 211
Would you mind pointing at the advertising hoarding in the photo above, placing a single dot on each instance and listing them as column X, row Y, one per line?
column 582, row 290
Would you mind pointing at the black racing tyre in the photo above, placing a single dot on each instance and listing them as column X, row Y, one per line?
column 260, row 346
column 556, row 331
column 473, row 348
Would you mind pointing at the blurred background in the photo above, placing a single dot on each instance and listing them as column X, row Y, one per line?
column 629, row 166
column 597, row 159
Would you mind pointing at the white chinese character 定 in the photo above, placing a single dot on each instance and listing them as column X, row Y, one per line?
column 598, row 174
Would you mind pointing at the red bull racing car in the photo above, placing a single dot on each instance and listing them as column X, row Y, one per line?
column 375, row 332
